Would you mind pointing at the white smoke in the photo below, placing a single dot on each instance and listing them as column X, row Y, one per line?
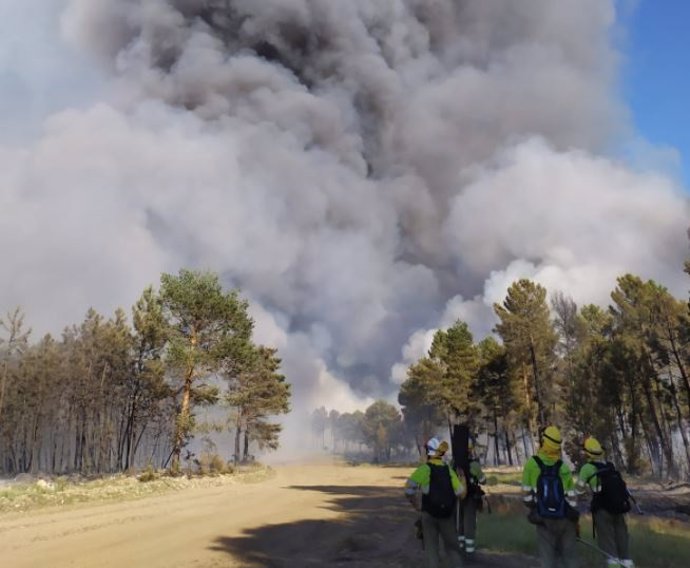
column 365, row 171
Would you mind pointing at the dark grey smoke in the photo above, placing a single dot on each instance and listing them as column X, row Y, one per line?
column 366, row 170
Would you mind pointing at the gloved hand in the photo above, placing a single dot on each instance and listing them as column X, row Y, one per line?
column 534, row 518
column 418, row 529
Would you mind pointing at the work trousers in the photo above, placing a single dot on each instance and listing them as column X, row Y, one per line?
column 557, row 542
column 612, row 534
column 443, row 529
column 468, row 523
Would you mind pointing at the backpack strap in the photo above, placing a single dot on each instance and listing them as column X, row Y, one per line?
column 601, row 468
column 539, row 462
column 543, row 466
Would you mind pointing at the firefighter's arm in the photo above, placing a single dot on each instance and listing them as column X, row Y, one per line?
column 529, row 478
column 412, row 494
column 569, row 486
column 414, row 500
column 458, row 480
column 581, row 485
column 476, row 472
column 413, row 486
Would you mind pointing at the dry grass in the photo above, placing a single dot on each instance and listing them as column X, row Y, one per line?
column 61, row 492
column 655, row 542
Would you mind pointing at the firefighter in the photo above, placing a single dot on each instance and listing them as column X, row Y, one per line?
column 610, row 502
column 440, row 488
column 471, row 504
column 549, row 493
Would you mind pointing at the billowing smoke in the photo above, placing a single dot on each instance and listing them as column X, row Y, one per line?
column 364, row 170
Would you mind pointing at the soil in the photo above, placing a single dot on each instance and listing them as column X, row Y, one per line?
column 322, row 515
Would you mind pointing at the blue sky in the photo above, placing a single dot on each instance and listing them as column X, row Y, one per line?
column 657, row 74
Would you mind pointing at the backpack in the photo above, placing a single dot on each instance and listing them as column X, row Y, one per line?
column 441, row 499
column 613, row 496
column 551, row 503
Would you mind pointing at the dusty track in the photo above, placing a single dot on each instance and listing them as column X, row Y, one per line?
column 305, row 516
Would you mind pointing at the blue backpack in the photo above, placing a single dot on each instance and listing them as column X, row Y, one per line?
column 551, row 502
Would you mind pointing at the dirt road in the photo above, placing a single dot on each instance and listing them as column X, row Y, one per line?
column 305, row 516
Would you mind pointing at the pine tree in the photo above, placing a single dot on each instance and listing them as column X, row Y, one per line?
column 15, row 343
column 255, row 393
column 206, row 327
column 382, row 428
column 498, row 394
column 146, row 391
column 530, row 340
column 421, row 414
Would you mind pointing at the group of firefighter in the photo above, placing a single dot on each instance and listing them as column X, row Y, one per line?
column 451, row 497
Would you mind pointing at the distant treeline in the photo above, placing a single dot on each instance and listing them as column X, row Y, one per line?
column 111, row 396
column 379, row 431
column 619, row 373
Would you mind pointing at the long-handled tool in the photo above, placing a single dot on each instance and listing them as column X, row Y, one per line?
column 488, row 503
column 637, row 506
column 599, row 550
column 458, row 518
column 419, row 532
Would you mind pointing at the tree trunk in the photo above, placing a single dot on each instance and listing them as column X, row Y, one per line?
column 245, row 453
column 238, row 437
column 182, row 421
column 632, row 452
column 654, row 453
column 665, row 447
column 679, row 364
column 524, row 443
column 3, row 380
column 679, row 418
column 496, row 434
column 528, row 401
column 541, row 413
column 509, row 453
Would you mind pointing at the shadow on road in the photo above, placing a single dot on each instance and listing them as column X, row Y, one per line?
column 374, row 528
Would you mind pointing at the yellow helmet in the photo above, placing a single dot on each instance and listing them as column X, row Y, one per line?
column 553, row 434
column 593, row 447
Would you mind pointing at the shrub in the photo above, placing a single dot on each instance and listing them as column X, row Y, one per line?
column 149, row 474
column 210, row 463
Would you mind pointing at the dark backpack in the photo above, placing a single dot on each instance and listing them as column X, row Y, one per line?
column 613, row 496
column 441, row 499
column 551, row 503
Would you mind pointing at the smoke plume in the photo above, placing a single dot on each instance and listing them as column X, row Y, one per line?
column 365, row 171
